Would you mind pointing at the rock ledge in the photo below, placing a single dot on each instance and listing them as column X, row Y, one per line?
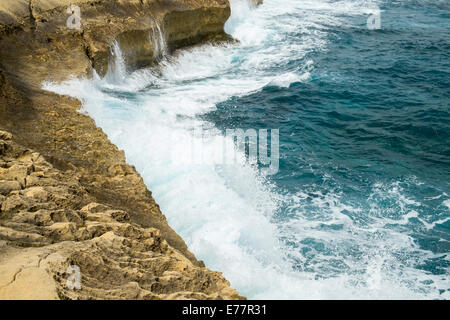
column 67, row 196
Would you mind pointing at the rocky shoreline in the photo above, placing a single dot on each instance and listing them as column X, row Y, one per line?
column 67, row 195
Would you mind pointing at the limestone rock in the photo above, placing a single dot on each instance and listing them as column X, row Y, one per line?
column 5, row 135
column 47, row 228
column 131, row 23
column 67, row 195
column 7, row 186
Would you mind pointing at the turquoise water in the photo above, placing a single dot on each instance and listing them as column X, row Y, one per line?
column 360, row 206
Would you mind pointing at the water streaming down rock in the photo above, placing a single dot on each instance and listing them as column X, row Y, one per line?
column 158, row 41
column 116, row 68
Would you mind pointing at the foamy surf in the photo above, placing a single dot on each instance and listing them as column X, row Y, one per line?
column 227, row 215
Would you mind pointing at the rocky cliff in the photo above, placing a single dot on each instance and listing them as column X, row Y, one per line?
column 67, row 196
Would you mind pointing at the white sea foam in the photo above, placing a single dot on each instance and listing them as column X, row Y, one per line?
column 447, row 203
column 226, row 214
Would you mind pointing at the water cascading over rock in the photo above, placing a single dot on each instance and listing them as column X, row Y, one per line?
column 158, row 41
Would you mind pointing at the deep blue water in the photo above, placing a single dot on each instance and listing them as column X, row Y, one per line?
column 360, row 206
column 376, row 111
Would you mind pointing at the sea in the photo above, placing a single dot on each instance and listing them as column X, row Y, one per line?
column 358, row 92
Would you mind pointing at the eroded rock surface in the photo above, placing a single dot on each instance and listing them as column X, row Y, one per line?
column 67, row 195
column 48, row 222
column 40, row 32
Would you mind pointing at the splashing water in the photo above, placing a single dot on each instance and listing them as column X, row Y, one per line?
column 159, row 42
column 315, row 230
column 117, row 70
